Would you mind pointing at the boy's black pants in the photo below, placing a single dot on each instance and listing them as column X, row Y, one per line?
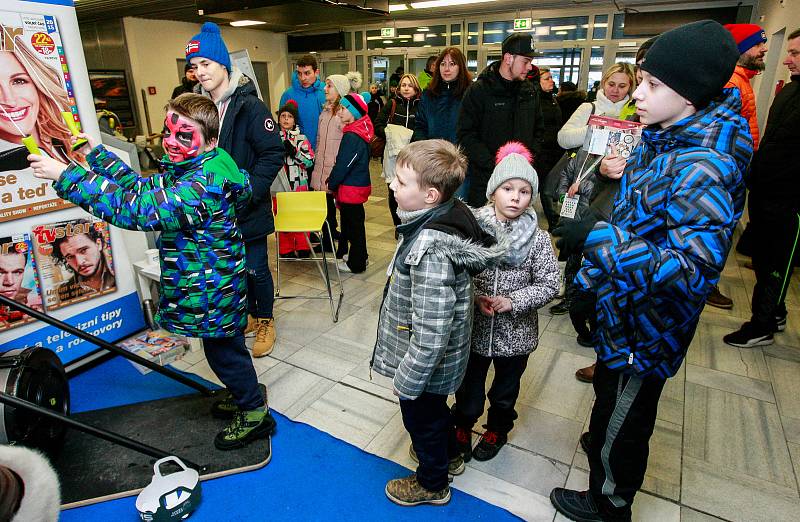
column 353, row 238
column 230, row 361
column 427, row 420
column 471, row 396
column 622, row 422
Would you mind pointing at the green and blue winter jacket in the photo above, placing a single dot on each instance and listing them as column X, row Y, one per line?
column 654, row 264
column 193, row 204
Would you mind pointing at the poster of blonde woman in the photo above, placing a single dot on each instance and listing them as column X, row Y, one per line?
column 37, row 111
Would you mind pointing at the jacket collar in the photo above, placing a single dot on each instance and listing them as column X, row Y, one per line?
column 362, row 128
column 745, row 73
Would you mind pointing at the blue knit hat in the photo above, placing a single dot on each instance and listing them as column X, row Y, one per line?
column 209, row 44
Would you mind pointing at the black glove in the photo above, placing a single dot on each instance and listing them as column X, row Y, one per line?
column 14, row 159
column 572, row 234
column 290, row 149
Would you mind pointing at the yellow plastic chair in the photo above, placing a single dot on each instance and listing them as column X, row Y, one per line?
column 306, row 212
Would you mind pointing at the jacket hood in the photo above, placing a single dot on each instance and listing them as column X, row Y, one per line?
column 465, row 243
column 578, row 95
column 308, row 90
column 362, row 127
column 720, row 126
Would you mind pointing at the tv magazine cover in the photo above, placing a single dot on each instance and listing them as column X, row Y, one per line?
column 44, row 115
column 606, row 133
column 75, row 261
column 18, row 280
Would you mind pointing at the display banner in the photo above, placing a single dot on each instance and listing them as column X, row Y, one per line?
column 53, row 256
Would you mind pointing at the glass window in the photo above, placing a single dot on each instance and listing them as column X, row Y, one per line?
column 564, row 64
column 348, row 41
column 496, row 32
column 600, row 27
column 455, row 34
column 472, row 63
column 422, row 36
column 619, row 25
column 626, row 57
column 558, row 29
column 360, row 65
column 472, row 34
column 595, row 66
column 359, row 40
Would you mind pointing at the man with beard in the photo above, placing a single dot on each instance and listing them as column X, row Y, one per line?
column 752, row 43
column 84, row 256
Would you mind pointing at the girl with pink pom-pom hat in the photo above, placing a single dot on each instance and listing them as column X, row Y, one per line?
column 505, row 329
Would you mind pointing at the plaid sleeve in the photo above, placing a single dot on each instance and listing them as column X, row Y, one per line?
column 181, row 206
column 433, row 301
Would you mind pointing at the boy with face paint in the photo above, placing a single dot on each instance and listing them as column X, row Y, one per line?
column 193, row 203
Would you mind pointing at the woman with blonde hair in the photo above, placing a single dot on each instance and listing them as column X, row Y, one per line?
column 32, row 99
column 616, row 86
column 395, row 124
column 329, row 137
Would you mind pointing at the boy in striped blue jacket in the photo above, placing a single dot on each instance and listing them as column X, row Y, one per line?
column 653, row 265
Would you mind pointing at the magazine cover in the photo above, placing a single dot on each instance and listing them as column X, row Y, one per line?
column 606, row 133
column 38, row 114
column 159, row 346
column 74, row 261
column 18, row 279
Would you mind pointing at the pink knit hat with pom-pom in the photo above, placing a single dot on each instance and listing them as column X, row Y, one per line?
column 513, row 162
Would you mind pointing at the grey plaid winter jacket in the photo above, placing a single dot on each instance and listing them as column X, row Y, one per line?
column 426, row 316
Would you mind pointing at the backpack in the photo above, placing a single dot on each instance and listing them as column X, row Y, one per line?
column 378, row 144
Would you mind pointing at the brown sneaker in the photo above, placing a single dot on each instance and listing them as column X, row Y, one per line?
column 250, row 329
column 265, row 337
column 715, row 298
column 408, row 492
column 585, row 374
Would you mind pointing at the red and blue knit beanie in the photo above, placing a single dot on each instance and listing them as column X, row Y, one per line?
column 746, row 35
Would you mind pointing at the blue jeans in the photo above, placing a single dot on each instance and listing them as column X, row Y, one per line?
column 229, row 359
column 260, row 293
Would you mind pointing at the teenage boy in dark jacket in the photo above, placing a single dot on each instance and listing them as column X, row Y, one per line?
column 501, row 106
column 250, row 135
column 654, row 264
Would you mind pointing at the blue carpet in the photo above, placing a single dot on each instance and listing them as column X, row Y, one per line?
column 312, row 476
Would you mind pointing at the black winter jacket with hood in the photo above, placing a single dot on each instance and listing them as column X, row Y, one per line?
column 405, row 111
column 495, row 111
column 252, row 137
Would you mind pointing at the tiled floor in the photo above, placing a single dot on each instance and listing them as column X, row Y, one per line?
column 726, row 444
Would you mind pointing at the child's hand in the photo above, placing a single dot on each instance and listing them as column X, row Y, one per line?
column 484, row 304
column 573, row 189
column 501, row 304
column 86, row 149
column 613, row 165
column 47, row 168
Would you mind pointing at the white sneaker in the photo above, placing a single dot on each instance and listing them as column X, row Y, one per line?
column 344, row 268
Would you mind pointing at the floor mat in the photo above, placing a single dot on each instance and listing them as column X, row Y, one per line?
column 311, row 476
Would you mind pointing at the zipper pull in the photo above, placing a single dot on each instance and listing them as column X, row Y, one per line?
column 630, row 358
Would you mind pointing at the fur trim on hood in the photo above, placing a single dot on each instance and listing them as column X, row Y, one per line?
column 42, row 499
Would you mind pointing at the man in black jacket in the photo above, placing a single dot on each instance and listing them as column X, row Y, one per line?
column 500, row 106
column 774, row 206
column 250, row 135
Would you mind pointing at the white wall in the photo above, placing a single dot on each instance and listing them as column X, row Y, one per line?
column 774, row 15
column 154, row 45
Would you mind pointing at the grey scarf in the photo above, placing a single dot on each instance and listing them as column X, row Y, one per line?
column 521, row 232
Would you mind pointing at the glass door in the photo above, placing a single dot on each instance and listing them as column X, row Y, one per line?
column 329, row 67
column 383, row 69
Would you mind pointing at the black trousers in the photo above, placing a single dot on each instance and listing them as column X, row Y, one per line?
column 621, row 424
column 776, row 240
column 471, row 396
column 393, row 208
column 230, row 361
column 353, row 236
column 427, row 420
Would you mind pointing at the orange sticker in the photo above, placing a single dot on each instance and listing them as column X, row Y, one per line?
column 43, row 43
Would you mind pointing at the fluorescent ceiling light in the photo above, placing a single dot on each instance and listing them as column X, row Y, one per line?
column 433, row 3
column 397, row 7
column 564, row 27
column 245, row 23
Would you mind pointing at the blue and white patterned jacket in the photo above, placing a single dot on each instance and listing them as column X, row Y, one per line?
column 654, row 264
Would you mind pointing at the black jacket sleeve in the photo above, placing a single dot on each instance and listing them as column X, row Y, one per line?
column 469, row 131
column 383, row 119
column 264, row 138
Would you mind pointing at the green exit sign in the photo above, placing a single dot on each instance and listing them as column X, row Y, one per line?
column 387, row 32
column 522, row 24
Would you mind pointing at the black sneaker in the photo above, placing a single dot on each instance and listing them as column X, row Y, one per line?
column 575, row 505
column 749, row 336
column 586, row 441
column 585, row 341
column 245, row 427
column 560, row 308
column 464, row 443
column 489, row 445
column 780, row 323
column 225, row 408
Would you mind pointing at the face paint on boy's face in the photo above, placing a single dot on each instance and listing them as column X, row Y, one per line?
column 182, row 138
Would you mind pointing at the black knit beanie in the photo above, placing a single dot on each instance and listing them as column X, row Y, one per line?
column 695, row 60
column 291, row 107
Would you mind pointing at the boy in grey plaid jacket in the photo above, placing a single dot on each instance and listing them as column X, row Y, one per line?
column 426, row 315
